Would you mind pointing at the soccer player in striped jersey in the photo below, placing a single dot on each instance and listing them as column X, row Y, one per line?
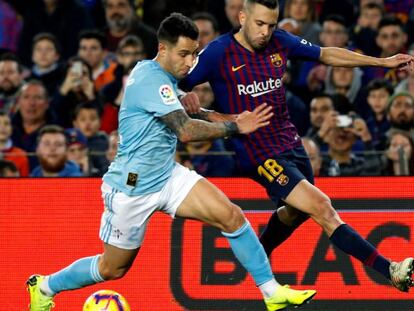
column 245, row 68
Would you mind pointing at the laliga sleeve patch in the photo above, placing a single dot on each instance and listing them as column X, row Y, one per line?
column 168, row 95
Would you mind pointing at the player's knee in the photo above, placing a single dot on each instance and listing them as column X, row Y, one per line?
column 233, row 220
column 322, row 208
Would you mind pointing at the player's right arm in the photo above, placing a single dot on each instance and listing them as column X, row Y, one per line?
column 188, row 129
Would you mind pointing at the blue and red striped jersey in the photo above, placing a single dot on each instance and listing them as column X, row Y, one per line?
column 242, row 80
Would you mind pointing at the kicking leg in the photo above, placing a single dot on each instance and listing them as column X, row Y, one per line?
column 312, row 201
column 112, row 264
column 218, row 211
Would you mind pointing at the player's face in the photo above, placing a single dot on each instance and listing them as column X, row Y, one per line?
column 257, row 24
column 179, row 58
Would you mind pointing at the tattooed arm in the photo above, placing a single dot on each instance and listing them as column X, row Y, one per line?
column 188, row 129
column 213, row 116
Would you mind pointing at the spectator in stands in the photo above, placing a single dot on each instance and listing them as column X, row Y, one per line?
column 10, row 26
column 52, row 153
column 45, row 57
column 314, row 154
column 399, row 156
column 7, row 150
column 379, row 92
column 341, row 161
column 63, row 18
column 8, row 169
column 33, row 113
column 122, row 20
column 334, row 34
column 11, row 80
column 77, row 87
column 392, row 39
column 322, row 117
column 78, row 152
column 365, row 31
column 407, row 85
column 345, row 81
column 401, row 112
column 129, row 52
column 92, row 49
column 87, row 120
column 232, row 9
column 207, row 27
column 304, row 13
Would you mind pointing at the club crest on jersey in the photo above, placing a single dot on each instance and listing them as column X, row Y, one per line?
column 167, row 94
column 276, row 60
column 282, row 179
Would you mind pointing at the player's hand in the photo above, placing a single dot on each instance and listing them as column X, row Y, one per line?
column 403, row 62
column 248, row 122
column 191, row 103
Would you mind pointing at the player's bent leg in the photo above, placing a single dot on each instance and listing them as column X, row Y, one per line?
column 308, row 199
column 116, row 262
column 112, row 264
column 218, row 211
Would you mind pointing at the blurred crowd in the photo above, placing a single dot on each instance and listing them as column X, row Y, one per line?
column 64, row 63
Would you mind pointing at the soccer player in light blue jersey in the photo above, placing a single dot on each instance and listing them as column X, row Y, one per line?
column 144, row 178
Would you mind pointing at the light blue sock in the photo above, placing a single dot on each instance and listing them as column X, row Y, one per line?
column 81, row 273
column 250, row 253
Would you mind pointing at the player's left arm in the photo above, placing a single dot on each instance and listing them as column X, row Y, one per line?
column 345, row 58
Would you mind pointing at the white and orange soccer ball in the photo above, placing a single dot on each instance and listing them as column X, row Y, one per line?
column 106, row 300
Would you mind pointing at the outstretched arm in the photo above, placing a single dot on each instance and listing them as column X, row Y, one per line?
column 188, row 129
column 345, row 58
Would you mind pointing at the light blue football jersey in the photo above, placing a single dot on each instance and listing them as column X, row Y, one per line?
column 146, row 149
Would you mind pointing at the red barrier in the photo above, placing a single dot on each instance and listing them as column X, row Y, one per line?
column 183, row 265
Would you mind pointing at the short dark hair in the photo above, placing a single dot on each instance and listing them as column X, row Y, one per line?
column 177, row 25
column 49, row 37
column 374, row 5
column 5, row 166
column 390, row 20
column 130, row 40
column 271, row 4
column 336, row 19
column 51, row 129
column 377, row 84
column 93, row 34
column 9, row 56
column 86, row 105
column 205, row 16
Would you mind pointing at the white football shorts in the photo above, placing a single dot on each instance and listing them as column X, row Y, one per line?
column 124, row 220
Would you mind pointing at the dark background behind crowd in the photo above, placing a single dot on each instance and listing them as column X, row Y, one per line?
column 64, row 63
